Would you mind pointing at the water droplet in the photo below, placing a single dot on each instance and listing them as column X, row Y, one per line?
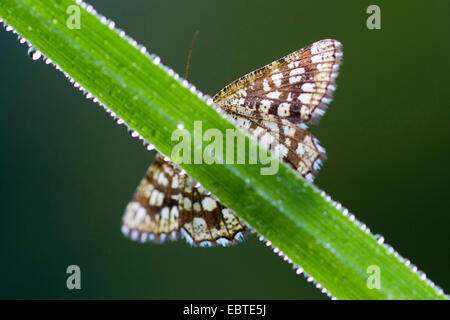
column 134, row 134
column 180, row 126
column 156, row 60
column 34, row 53
column 379, row 238
column 299, row 271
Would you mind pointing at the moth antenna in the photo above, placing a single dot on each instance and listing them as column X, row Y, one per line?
column 194, row 37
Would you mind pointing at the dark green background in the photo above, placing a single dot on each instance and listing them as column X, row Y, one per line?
column 67, row 171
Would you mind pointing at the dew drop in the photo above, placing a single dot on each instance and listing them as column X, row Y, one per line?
column 150, row 147
column 299, row 271
column 34, row 54
column 379, row 238
column 156, row 60
column 180, row 126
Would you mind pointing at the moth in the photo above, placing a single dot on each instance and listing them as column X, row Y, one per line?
column 280, row 99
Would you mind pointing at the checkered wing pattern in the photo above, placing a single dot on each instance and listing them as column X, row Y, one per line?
column 205, row 220
column 297, row 87
column 168, row 203
column 294, row 144
column 153, row 213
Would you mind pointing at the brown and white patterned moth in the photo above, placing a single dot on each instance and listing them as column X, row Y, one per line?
column 279, row 100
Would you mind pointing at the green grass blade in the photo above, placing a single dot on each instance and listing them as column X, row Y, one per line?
column 309, row 229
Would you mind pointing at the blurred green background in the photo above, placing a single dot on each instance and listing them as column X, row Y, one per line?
column 67, row 171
